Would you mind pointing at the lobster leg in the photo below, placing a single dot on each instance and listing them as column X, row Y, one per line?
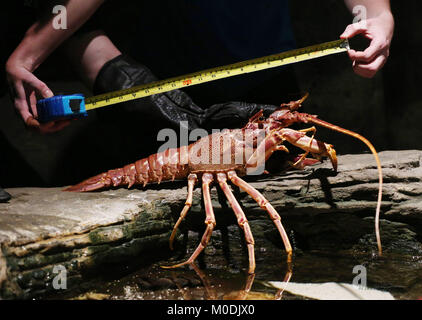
column 313, row 130
column 209, row 289
column 308, row 144
column 297, row 138
column 207, row 178
column 263, row 203
column 286, row 280
column 192, row 179
column 241, row 219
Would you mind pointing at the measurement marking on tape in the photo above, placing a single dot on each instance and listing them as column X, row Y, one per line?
column 272, row 61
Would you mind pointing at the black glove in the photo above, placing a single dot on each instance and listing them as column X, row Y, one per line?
column 165, row 110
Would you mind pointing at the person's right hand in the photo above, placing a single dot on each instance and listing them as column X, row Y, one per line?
column 25, row 87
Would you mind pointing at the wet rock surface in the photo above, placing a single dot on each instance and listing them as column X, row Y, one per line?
column 123, row 234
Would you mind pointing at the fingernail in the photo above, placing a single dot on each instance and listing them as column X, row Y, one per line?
column 48, row 93
column 31, row 122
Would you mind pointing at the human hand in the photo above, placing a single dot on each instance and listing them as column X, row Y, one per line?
column 380, row 31
column 25, row 87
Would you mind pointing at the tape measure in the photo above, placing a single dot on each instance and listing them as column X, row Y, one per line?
column 76, row 106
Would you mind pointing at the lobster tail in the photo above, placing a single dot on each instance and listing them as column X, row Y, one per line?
column 91, row 184
column 111, row 178
column 163, row 166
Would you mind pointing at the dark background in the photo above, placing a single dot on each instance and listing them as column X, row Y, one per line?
column 386, row 109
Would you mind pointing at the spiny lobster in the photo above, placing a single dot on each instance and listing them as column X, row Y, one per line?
column 197, row 162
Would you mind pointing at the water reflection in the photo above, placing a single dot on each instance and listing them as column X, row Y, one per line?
column 398, row 273
column 212, row 292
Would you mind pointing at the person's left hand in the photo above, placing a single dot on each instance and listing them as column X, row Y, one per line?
column 380, row 31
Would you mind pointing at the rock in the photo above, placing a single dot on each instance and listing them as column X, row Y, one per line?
column 44, row 228
column 163, row 283
column 90, row 234
column 143, row 284
column 181, row 282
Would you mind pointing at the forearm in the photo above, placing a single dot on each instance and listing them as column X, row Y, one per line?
column 374, row 7
column 42, row 38
column 88, row 52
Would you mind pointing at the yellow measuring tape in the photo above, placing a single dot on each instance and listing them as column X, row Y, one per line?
column 272, row 61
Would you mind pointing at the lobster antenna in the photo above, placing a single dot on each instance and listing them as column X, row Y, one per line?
column 374, row 152
column 304, row 98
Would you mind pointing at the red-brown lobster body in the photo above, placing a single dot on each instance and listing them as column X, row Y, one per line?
column 225, row 156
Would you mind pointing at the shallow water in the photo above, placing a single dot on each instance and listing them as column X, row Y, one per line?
column 326, row 248
column 400, row 275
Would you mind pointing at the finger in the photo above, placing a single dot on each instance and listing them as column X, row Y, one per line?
column 61, row 124
column 354, row 29
column 20, row 101
column 39, row 86
column 19, row 91
column 54, row 126
column 370, row 53
column 33, row 104
column 12, row 89
column 32, row 123
column 22, row 108
column 31, row 100
column 363, row 73
column 47, row 127
column 64, row 123
column 370, row 69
